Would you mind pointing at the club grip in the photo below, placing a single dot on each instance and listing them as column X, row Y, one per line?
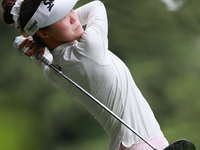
column 42, row 59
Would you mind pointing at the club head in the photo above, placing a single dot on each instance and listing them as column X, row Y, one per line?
column 181, row 145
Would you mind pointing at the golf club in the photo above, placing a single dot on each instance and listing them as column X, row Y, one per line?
column 181, row 145
column 178, row 145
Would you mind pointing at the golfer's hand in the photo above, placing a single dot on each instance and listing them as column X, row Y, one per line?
column 31, row 46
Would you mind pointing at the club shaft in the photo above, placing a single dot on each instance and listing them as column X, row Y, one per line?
column 45, row 61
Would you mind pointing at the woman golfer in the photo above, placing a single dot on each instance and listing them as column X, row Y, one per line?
column 85, row 58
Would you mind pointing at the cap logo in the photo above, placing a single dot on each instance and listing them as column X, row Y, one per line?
column 33, row 26
column 49, row 3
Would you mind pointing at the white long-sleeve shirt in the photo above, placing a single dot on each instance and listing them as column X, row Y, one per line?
column 90, row 64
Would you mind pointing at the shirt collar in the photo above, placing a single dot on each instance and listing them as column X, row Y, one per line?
column 63, row 46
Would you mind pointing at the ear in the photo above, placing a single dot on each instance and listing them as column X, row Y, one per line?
column 43, row 34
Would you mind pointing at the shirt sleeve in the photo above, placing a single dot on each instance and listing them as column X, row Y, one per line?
column 93, row 42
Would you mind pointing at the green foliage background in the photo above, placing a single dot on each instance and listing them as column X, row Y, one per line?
column 161, row 49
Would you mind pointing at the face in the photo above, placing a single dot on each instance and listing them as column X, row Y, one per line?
column 66, row 30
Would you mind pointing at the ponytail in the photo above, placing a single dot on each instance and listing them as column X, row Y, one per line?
column 27, row 9
column 7, row 6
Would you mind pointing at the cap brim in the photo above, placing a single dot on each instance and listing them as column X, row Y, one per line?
column 60, row 10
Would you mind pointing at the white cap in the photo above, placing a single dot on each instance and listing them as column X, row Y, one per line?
column 49, row 12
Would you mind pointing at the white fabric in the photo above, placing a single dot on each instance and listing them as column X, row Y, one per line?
column 90, row 64
column 17, row 42
column 15, row 12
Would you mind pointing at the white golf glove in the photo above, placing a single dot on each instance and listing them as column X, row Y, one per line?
column 18, row 40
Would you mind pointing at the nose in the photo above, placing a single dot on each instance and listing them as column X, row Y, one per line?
column 72, row 20
column 72, row 17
